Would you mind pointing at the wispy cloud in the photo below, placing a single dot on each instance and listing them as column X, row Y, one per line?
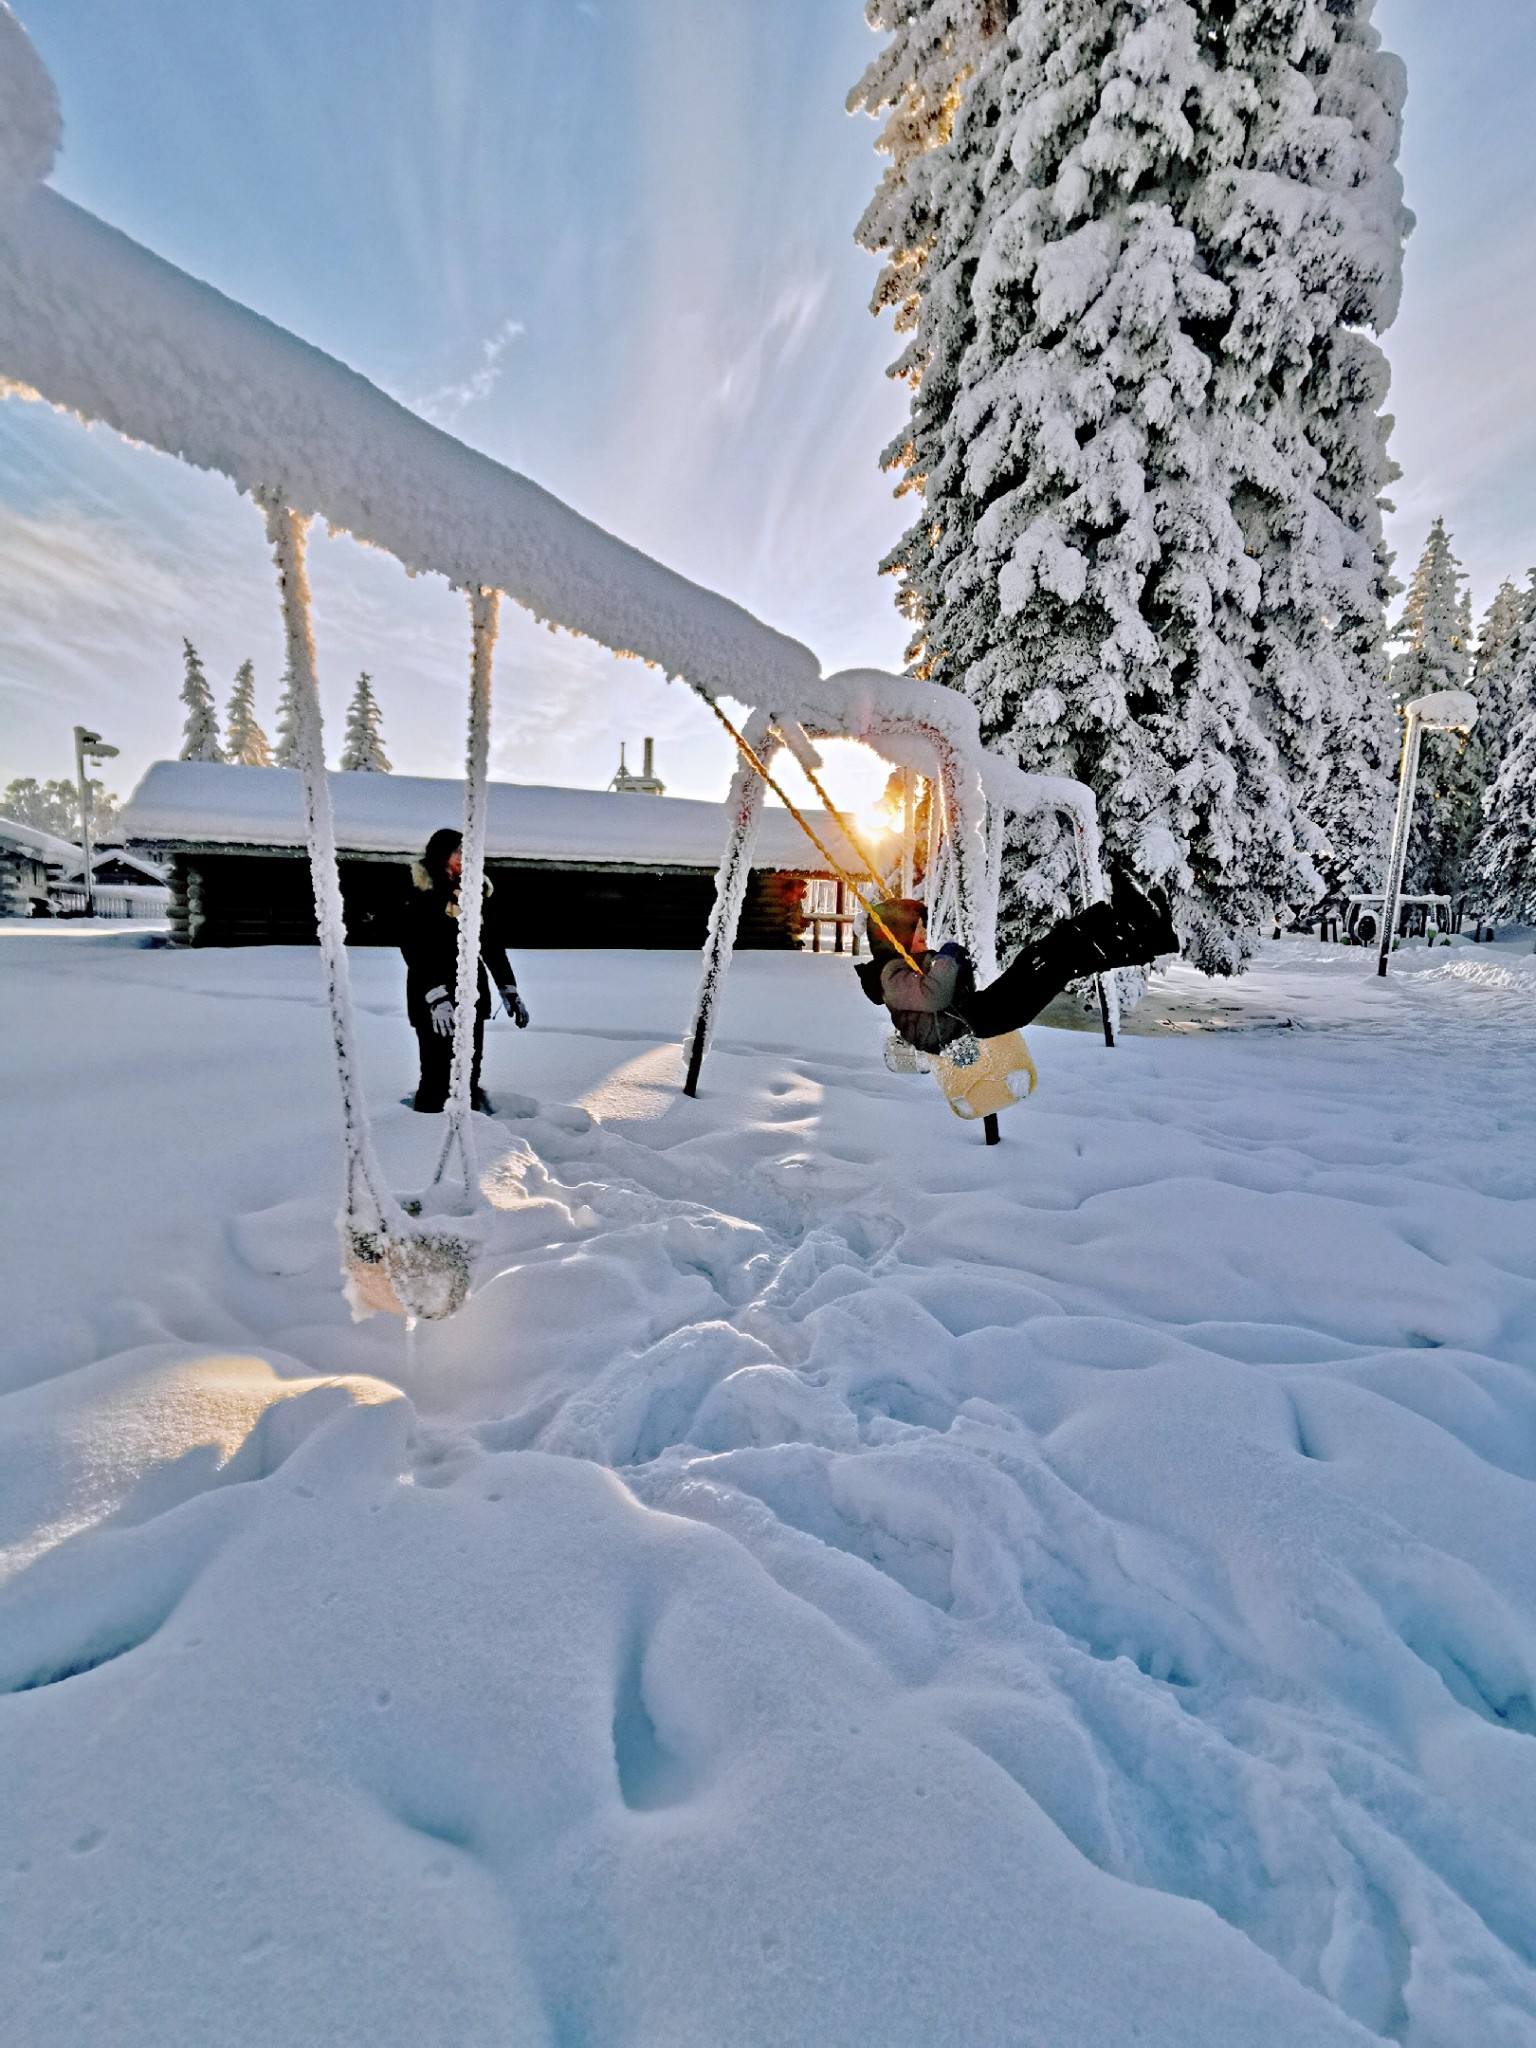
column 445, row 405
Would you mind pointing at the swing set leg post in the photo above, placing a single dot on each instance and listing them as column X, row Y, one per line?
column 695, row 1060
column 1104, row 1016
column 989, row 1128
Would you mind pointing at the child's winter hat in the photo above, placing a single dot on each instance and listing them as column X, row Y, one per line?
column 901, row 918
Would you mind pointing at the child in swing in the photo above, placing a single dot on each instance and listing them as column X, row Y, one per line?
column 940, row 1002
column 431, row 950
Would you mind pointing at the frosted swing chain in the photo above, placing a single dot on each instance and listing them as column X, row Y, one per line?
column 287, row 531
column 484, row 615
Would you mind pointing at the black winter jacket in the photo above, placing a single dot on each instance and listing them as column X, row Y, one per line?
column 431, row 948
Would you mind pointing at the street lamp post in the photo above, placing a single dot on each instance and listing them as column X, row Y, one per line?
column 89, row 746
column 1443, row 711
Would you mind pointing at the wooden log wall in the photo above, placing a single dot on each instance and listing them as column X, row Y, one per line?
column 232, row 898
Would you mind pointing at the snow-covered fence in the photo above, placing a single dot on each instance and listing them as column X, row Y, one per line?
column 123, row 901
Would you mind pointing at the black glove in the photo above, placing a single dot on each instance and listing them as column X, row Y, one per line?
column 869, row 973
column 517, row 1009
column 440, row 1003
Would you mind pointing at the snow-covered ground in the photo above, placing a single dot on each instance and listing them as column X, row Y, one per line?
column 835, row 1584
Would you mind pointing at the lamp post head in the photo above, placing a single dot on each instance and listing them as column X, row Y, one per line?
column 1444, row 711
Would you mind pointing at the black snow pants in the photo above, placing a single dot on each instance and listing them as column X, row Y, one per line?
column 1089, row 943
column 437, row 1065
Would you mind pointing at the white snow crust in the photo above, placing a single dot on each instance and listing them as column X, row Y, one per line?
column 835, row 1583
column 30, row 122
column 45, row 845
column 223, row 804
column 107, row 330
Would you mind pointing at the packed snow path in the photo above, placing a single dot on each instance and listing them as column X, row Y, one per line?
column 836, row 1584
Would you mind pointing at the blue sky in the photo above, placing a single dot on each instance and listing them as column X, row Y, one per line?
column 610, row 242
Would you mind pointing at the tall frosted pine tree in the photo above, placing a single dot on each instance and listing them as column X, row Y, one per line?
column 200, row 734
column 1140, row 247
column 1504, row 865
column 1495, row 679
column 285, row 754
column 1435, row 633
column 363, row 742
column 244, row 740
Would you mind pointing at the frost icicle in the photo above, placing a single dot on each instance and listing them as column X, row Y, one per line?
column 363, row 742
column 743, row 808
column 484, row 614
column 200, row 735
column 421, row 1272
column 1140, row 253
column 245, row 741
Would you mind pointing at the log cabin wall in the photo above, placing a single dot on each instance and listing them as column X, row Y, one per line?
column 224, row 896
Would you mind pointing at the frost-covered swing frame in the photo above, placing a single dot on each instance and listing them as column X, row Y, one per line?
column 97, row 325
column 916, row 726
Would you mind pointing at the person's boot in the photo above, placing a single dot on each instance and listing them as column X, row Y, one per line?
column 1130, row 930
column 1144, row 925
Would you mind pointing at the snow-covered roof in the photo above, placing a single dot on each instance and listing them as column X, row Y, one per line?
column 119, row 856
column 42, row 846
column 215, row 803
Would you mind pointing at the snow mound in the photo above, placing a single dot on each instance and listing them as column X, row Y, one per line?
column 834, row 1583
column 1518, row 975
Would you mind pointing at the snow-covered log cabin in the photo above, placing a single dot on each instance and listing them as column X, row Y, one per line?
column 569, row 867
column 31, row 863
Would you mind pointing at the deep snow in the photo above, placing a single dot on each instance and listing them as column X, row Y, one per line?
column 835, row 1584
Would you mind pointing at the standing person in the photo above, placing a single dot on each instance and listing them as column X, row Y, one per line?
column 934, row 1007
column 431, row 949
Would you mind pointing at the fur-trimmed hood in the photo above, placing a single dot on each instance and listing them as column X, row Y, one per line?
column 424, row 881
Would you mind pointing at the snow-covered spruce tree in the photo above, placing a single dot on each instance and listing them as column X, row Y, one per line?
column 244, row 739
column 1434, row 630
column 200, row 735
column 1435, row 637
column 1497, row 686
column 363, row 747
column 1495, row 680
column 289, row 722
column 1504, row 864
column 1138, row 262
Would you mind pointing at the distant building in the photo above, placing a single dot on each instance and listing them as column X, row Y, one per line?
column 569, row 867
column 123, row 884
column 41, row 876
column 647, row 783
column 31, row 865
